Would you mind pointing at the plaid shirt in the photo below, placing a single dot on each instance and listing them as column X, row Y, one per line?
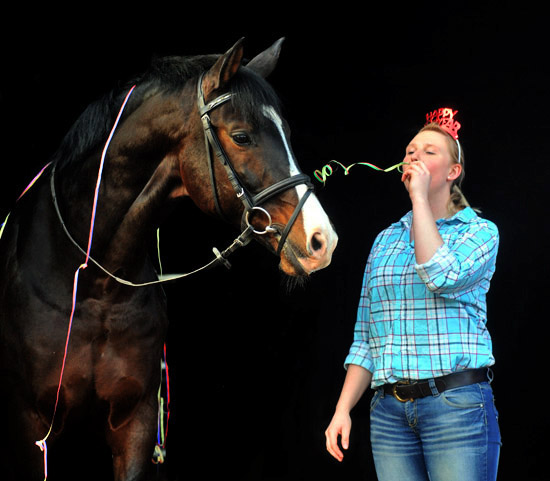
column 424, row 321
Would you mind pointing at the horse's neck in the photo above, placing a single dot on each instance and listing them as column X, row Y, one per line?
column 138, row 182
column 143, row 214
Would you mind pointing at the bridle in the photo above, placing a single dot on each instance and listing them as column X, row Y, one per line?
column 250, row 201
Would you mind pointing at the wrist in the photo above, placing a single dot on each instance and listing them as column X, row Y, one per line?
column 420, row 200
column 342, row 410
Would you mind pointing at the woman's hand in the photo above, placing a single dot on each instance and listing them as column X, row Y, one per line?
column 356, row 382
column 417, row 179
column 339, row 426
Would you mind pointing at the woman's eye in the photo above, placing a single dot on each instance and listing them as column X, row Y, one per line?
column 241, row 138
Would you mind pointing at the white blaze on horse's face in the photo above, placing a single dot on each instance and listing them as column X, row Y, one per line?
column 320, row 235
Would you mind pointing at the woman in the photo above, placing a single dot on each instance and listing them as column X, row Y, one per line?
column 420, row 339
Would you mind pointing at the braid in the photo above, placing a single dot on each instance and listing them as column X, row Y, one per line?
column 457, row 201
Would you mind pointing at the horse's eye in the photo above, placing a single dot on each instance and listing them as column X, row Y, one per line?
column 241, row 138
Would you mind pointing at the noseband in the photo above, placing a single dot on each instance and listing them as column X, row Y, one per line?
column 251, row 202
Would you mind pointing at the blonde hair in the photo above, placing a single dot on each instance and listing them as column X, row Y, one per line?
column 457, row 201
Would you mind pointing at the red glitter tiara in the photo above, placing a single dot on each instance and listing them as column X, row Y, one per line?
column 445, row 118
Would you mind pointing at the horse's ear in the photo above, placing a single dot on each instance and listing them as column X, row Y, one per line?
column 264, row 63
column 223, row 70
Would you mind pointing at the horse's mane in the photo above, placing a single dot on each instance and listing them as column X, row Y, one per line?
column 167, row 74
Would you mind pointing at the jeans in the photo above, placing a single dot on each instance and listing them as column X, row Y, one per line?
column 451, row 436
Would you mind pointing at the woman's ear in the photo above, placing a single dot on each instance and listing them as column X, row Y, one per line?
column 455, row 172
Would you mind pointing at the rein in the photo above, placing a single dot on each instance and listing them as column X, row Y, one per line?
column 220, row 256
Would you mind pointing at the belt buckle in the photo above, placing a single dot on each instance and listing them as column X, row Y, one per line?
column 394, row 391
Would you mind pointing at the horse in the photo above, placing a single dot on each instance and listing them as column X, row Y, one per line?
column 83, row 313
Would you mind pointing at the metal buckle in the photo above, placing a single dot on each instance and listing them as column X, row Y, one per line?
column 394, row 391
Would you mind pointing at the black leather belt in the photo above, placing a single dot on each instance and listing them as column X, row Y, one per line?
column 405, row 391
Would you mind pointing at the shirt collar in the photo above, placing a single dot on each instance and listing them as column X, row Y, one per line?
column 465, row 216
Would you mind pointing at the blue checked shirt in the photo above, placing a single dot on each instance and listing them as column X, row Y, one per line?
column 424, row 321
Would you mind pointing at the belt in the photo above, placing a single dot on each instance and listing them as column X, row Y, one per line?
column 405, row 391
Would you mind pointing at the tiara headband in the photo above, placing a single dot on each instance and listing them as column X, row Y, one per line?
column 445, row 118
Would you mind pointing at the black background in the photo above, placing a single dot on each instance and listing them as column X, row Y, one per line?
column 256, row 370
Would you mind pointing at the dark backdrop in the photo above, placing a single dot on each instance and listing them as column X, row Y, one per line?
column 256, row 370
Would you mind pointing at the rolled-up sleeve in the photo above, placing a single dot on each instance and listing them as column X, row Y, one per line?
column 359, row 352
column 463, row 264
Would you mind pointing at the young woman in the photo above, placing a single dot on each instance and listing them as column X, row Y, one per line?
column 421, row 340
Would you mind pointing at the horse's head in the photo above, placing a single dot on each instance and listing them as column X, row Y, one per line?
column 252, row 164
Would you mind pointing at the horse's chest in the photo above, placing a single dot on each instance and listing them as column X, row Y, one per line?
column 111, row 322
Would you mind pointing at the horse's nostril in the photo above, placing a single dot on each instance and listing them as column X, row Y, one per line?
column 317, row 242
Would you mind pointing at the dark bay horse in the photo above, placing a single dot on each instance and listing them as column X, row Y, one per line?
column 244, row 171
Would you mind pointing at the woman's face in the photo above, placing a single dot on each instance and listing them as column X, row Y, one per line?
column 432, row 148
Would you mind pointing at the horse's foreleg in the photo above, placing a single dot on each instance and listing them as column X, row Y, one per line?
column 133, row 442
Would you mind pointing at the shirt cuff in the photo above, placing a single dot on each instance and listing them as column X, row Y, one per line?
column 435, row 267
column 358, row 359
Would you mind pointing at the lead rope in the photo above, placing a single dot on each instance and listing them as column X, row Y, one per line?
column 42, row 443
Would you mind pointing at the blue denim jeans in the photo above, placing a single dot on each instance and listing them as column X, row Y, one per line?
column 451, row 436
